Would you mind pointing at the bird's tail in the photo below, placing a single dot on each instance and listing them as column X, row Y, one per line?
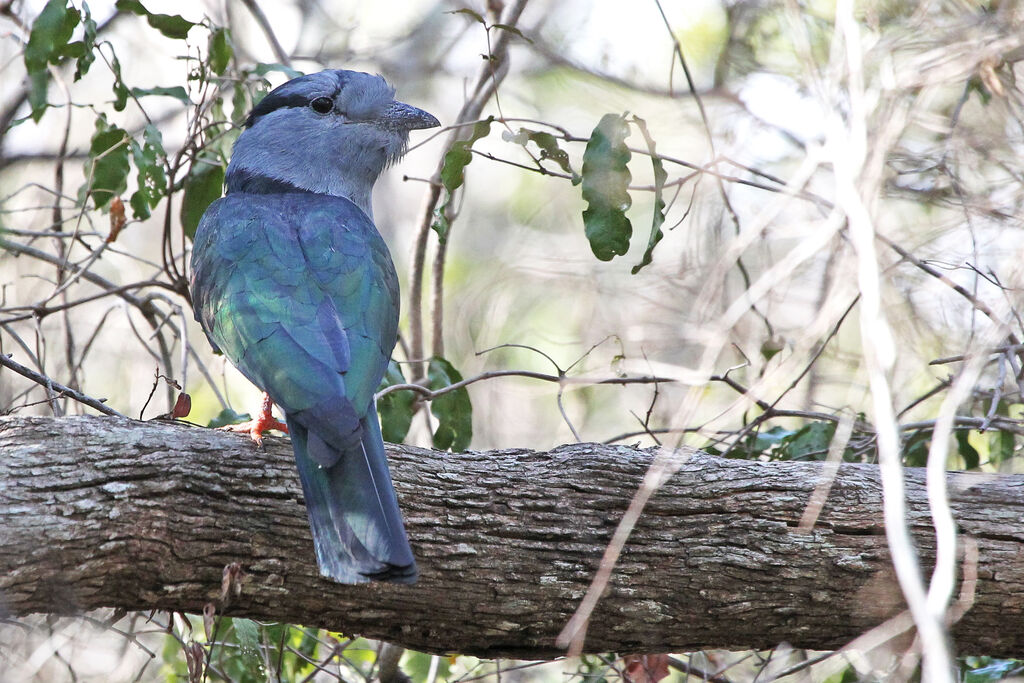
column 353, row 513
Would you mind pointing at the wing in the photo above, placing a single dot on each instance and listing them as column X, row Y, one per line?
column 299, row 292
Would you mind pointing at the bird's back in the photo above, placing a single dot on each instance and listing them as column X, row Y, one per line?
column 298, row 290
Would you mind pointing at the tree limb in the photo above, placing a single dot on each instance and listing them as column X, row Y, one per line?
column 108, row 512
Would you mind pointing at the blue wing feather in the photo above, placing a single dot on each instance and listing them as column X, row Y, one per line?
column 299, row 292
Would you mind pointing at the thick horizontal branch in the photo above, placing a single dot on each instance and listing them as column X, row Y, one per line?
column 108, row 512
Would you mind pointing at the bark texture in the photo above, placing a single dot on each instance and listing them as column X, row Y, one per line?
column 105, row 512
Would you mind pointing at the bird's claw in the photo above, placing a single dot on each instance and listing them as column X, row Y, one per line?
column 264, row 421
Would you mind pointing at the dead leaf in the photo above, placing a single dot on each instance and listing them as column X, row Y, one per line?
column 183, row 406
column 644, row 668
column 117, row 219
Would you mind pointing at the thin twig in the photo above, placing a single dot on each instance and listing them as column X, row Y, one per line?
column 44, row 381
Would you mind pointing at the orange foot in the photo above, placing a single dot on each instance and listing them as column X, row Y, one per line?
column 263, row 422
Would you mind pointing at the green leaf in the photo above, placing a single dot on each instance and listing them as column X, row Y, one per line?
column 811, row 442
column 152, row 181
column 171, row 25
column 453, row 410
column 228, row 417
column 120, row 89
column 203, row 185
column 968, row 452
column 47, row 40
column 989, row 670
column 549, row 149
column 1000, row 446
column 248, row 635
column 476, row 16
column 106, row 169
column 88, row 55
column 915, row 449
column 220, row 50
column 512, row 29
column 177, row 92
column 395, row 408
column 766, row 440
column 263, row 68
column 660, row 176
column 605, row 182
column 453, row 174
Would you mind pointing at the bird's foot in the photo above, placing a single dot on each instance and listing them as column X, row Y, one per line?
column 264, row 421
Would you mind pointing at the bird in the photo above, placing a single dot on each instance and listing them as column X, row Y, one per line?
column 293, row 283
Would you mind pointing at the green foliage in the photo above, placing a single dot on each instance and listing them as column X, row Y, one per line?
column 177, row 92
column 549, row 149
column 453, row 410
column 204, row 184
column 228, row 417
column 606, row 178
column 453, row 174
column 220, row 50
column 396, row 408
column 968, row 452
column 660, row 176
column 47, row 44
column 106, row 169
column 171, row 25
column 989, row 669
column 152, row 181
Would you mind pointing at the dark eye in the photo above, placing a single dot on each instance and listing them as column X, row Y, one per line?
column 322, row 105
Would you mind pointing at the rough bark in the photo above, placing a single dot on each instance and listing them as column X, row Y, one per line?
column 104, row 512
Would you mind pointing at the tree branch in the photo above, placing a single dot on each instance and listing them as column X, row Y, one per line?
column 107, row 512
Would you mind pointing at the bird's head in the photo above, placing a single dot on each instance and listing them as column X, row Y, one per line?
column 331, row 132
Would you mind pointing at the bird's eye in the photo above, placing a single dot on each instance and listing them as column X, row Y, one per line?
column 322, row 105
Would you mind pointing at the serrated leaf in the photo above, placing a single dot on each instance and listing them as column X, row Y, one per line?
column 88, row 43
column 48, row 37
column 476, row 16
column 106, row 169
column 395, row 408
column 660, row 177
column 548, row 145
column 605, row 182
column 453, row 410
column 120, row 89
column 176, row 91
column 453, row 173
column 220, row 50
column 204, row 185
column 171, row 25
column 152, row 181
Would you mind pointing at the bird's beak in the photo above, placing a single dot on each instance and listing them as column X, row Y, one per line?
column 408, row 117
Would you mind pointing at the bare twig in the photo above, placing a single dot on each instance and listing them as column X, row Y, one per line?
column 46, row 382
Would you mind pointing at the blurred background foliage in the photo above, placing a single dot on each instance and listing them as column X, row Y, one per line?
column 644, row 241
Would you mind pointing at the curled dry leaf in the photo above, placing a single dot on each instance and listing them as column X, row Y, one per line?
column 183, row 406
column 117, row 218
column 644, row 668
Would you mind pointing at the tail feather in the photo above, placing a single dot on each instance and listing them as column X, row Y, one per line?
column 353, row 513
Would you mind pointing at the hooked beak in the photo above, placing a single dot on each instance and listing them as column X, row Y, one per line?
column 407, row 117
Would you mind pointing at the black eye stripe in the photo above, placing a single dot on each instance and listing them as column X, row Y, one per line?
column 275, row 101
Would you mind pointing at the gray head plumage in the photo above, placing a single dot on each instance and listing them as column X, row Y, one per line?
column 331, row 132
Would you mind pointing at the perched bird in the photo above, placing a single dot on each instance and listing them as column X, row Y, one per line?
column 293, row 283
